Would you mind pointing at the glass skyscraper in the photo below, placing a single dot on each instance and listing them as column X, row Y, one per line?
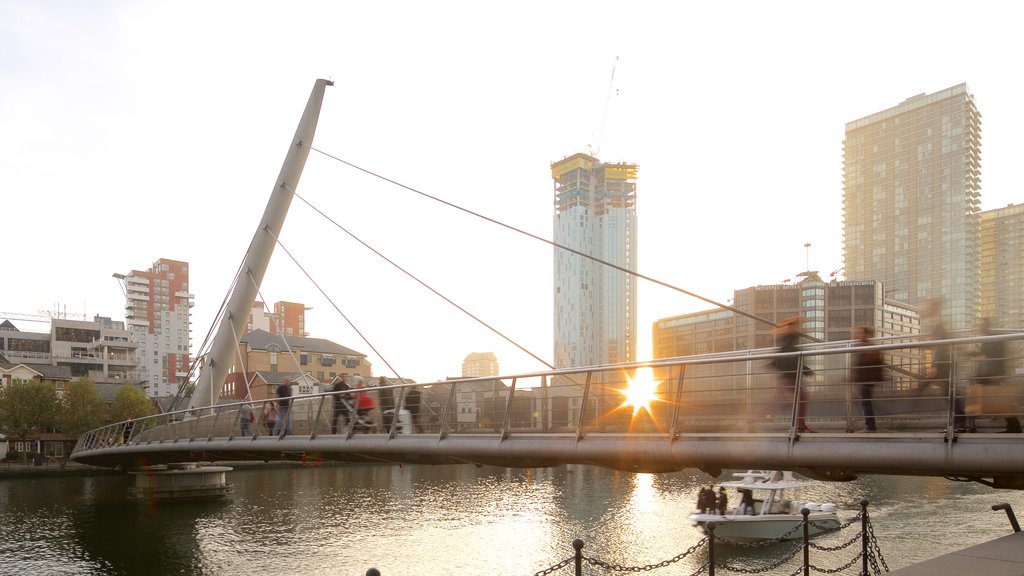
column 595, row 305
column 912, row 178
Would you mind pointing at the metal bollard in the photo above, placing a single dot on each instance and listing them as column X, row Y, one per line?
column 577, row 545
column 373, row 572
column 864, row 537
column 711, row 548
column 807, row 542
column 1009, row 514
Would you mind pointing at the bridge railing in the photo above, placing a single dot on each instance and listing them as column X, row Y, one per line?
column 736, row 392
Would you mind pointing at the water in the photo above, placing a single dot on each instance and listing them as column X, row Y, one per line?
column 426, row 520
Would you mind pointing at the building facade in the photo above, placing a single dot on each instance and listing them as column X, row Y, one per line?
column 262, row 352
column 480, row 364
column 288, row 318
column 1001, row 294
column 829, row 310
column 595, row 305
column 912, row 179
column 158, row 311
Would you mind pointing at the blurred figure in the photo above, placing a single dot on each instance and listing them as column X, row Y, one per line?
column 283, row 426
column 789, row 334
column 244, row 418
column 865, row 372
column 364, row 404
column 991, row 370
column 938, row 370
column 387, row 403
column 341, row 404
column 269, row 415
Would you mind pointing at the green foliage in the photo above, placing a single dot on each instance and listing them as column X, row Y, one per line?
column 130, row 402
column 81, row 408
column 27, row 408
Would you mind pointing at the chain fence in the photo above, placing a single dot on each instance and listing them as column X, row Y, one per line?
column 869, row 556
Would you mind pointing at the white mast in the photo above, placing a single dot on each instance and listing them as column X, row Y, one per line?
column 239, row 304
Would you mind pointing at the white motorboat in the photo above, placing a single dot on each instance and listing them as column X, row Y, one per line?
column 773, row 515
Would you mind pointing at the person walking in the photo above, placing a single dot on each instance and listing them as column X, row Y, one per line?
column 791, row 370
column 991, row 372
column 283, row 426
column 938, row 371
column 342, row 406
column 244, row 418
column 269, row 415
column 865, row 372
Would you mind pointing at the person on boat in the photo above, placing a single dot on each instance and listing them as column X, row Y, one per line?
column 865, row 372
column 342, row 407
column 723, row 501
column 788, row 339
column 746, row 501
column 283, row 426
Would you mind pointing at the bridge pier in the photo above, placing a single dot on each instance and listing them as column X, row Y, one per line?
column 180, row 482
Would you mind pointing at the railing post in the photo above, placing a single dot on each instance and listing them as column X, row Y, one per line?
column 864, row 537
column 711, row 548
column 807, row 542
column 1009, row 514
column 577, row 545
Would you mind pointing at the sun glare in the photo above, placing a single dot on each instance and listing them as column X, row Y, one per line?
column 640, row 391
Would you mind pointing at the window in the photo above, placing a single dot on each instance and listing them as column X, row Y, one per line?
column 303, row 358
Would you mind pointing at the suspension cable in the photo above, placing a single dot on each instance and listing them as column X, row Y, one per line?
column 287, row 345
column 422, row 283
column 335, row 306
column 549, row 242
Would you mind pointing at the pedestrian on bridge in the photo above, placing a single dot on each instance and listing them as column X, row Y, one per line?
column 269, row 415
column 865, row 372
column 283, row 426
column 938, row 370
column 791, row 369
column 342, row 405
column 244, row 418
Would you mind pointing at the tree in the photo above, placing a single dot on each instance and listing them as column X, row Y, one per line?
column 27, row 408
column 130, row 403
column 81, row 408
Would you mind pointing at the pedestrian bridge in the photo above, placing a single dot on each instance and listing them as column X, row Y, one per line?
column 711, row 412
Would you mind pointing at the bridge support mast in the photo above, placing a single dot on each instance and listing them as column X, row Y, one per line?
column 239, row 304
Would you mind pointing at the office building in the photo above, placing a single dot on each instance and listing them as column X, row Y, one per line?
column 912, row 179
column 158, row 311
column 594, row 304
column 480, row 364
column 1001, row 295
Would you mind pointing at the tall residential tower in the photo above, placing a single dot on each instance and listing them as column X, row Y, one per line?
column 595, row 305
column 158, row 311
column 911, row 201
column 1002, row 266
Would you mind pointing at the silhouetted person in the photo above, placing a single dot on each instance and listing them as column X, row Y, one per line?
column 342, row 406
column 938, row 370
column 865, row 372
column 283, row 426
column 387, row 403
column 991, row 370
column 788, row 341
column 723, row 502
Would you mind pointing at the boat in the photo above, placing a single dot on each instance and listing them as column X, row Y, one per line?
column 774, row 516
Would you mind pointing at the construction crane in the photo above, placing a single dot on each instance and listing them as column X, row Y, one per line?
column 604, row 116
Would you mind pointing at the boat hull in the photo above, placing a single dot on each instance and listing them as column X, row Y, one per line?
column 767, row 526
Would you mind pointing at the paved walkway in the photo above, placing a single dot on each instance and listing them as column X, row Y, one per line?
column 1000, row 557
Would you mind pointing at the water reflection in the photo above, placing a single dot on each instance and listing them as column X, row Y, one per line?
column 439, row 520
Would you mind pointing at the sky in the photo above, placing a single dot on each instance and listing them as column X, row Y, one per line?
column 137, row 130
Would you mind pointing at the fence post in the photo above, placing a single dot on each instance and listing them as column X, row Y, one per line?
column 577, row 544
column 711, row 548
column 864, row 537
column 807, row 542
column 1009, row 514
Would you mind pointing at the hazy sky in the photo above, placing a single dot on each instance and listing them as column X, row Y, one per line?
column 132, row 131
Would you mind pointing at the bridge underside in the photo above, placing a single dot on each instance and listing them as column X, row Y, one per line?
column 993, row 459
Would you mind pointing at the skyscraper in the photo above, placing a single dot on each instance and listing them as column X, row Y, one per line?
column 1002, row 266
column 911, row 200
column 158, row 311
column 595, row 305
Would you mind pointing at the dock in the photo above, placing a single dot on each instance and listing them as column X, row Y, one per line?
column 1000, row 557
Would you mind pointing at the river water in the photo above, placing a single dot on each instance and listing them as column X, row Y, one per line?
column 427, row 520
